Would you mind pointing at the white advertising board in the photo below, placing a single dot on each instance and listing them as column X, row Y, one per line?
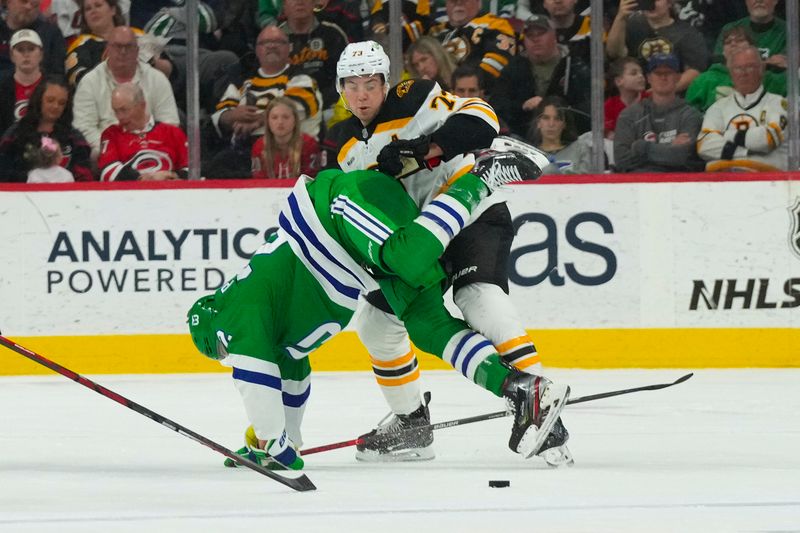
column 590, row 255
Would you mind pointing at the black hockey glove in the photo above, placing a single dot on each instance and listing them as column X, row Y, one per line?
column 391, row 158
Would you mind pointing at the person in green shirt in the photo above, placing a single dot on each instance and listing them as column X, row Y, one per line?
column 340, row 236
column 715, row 82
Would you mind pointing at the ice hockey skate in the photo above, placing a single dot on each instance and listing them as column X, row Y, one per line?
column 554, row 451
column 537, row 403
column 502, row 143
column 395, row 440
column 496, row 169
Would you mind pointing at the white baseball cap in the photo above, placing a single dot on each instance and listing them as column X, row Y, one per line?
column 25, row 36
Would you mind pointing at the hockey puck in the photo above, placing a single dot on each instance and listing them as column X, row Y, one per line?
column 499, row 483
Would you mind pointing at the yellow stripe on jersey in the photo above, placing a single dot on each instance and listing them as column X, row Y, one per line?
column 457, row 174
column 394, row 363
column 389, row 382
column 346, row 148
column 227, row 103
column 263, row 83
column 395, row 124
column 306, row 96
column 513, row 344
column 530, row 361
column 483, row 108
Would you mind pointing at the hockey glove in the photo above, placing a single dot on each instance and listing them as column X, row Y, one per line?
column 280, row 454
column 404, row 156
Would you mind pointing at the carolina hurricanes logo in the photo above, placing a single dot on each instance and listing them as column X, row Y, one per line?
column 20, row 108
column 151, row 161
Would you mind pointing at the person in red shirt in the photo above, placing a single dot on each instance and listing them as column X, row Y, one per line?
column 629, row 81
column 17, row 87
column 283, row 152
column 138, row 147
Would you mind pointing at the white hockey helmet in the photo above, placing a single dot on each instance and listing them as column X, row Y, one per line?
column 365, row 58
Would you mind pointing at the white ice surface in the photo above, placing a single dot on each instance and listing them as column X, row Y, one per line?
column 717, row 453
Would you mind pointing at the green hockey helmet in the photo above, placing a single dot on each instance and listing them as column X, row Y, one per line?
column 201, row 315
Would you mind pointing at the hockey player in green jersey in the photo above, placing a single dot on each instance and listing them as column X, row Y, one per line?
column 341, row 236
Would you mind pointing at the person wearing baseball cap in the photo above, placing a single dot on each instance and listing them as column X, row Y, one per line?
column 17, row 86
column 658, row 134
column 669, row 61
column 25, row 15
column 543, row 68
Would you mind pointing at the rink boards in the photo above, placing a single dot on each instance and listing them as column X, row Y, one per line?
column 640, row 271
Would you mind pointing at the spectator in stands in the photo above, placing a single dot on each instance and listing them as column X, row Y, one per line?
column 629, row 82
column 17, row 86
column 651, row 32
column 46, row 163
column 138, row 147
column 428, row 59
column 347, row 14
column 716, row 82
column 92, row 107
column 316, row 46
column 284, row 151
column 572, row 30
column 658, row 134
column 745, row 130
column 475, row 38
column 553, row 133
column 68, row 15
column 468, row 82
column 49, row 115
column 213, row 66
column 415, row 18
column 544, row 68
column 709, row 16
column 24, row 14
column 239, row 118
column 97, row 19
column 768, row 31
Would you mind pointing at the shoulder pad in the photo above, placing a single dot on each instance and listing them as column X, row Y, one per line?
column 405, row 98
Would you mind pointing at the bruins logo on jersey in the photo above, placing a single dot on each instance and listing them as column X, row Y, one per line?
column 458, row 47
column 658, row 45
column 403, row 88
column 742, row 122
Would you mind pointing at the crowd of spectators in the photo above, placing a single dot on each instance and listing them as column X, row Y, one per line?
column 95, row 89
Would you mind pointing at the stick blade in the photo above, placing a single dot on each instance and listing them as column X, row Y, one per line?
column 301, row 484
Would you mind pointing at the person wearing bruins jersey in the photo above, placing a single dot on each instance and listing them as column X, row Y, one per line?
column 483, row 40
column 423, row 136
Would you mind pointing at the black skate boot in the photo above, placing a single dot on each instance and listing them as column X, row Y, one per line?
column 537, row 403
column 554, row 451
column 497, row 168
column 396, row 440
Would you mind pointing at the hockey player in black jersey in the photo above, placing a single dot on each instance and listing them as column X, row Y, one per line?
column 424, row 136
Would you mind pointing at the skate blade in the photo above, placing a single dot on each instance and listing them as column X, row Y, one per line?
column 404, row 456
column 534, row 437
column 558, row 457
column 509, row 144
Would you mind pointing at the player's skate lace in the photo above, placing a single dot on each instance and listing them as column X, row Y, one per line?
column 496, row 169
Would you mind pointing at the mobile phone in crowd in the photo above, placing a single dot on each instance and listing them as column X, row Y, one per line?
column 646, row 5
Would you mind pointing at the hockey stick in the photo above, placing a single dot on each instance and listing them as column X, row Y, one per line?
column 300, row 484
column 499, row 414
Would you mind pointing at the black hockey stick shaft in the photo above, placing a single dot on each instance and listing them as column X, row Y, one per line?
column 501, row 414
column 301, row 483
